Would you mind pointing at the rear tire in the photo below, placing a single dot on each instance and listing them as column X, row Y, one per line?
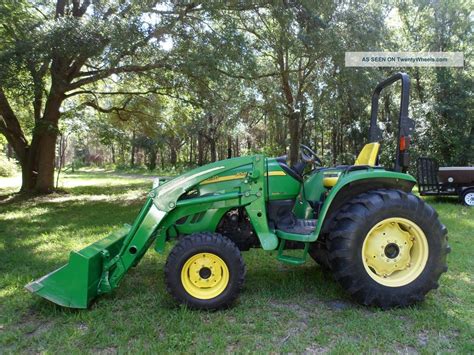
column 205, row 271
column 388, row 248
column 467, row 197
column 320, row 254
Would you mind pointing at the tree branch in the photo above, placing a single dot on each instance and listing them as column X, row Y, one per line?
column 102, row 74
column 79, row 10
column 60, row 6
column 113, row 109
column 150, row 91
column 11, row 129
column 241, row 76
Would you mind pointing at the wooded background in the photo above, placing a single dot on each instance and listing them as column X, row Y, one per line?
column 171, row 85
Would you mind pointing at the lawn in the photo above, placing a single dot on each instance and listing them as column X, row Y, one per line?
column 282, row 308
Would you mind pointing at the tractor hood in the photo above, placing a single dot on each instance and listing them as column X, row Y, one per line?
column 165, row 196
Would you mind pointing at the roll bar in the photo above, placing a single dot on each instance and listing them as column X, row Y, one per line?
column 406, row 125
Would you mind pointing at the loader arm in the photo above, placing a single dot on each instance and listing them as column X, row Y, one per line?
column 99, row 268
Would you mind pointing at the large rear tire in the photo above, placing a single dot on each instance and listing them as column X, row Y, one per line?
column 319, row 253
column 205, row 271
column 388, row 248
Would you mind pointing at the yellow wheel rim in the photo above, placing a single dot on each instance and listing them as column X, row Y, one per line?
column 205, row 276
column 395, row 252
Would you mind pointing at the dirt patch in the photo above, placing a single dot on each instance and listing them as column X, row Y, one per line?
column 232, row 348
column 298, row 328
column 316, row 349
column 303, row 308
column 338, row 305
column 299, row 321
column 423, row 337
column 406, row 350
column 106, row 351
column 40, row 329
column 31, row 325
column 82, row 327
column 447, row 337
column 299, row 310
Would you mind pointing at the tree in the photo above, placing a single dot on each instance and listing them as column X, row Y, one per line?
column 53, row 53
column 443, row 96
column 288, row 38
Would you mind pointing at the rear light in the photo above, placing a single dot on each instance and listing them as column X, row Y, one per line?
column 404, row 143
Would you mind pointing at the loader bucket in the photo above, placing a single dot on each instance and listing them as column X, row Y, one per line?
column 75, row 284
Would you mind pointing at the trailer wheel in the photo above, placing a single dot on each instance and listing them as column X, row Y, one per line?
column 467, row 197
column 388, row 248
column 205, row 271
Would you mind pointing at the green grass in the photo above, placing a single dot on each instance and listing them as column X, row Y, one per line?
column 282, row 308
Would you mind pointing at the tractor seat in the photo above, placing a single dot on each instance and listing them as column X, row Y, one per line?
column 367, row 156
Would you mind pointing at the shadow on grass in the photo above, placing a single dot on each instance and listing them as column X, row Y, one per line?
column 443, row 199
column 37, row 235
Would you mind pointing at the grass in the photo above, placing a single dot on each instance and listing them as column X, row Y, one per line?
column 282, row 308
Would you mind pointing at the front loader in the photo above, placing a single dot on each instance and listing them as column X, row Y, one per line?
column 384, row 245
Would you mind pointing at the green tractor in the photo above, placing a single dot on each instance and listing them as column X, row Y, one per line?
column 384, row 245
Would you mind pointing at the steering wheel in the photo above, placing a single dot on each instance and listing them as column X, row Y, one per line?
column 309, row 156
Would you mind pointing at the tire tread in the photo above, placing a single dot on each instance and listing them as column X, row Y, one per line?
column 342, row 239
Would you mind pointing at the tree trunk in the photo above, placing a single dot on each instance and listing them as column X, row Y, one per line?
column 113, row 152
column 236, row 150
column 419, row 88
column 322, row 141
column 173, row 155
column 38, row 169
column 9, row 151
column 333, row 145
column 294, row 125
column 62, row 156
column 63, row 141
column 162, row 160
column 152, row 154
column 132, row 155
column 38, row 165
column 200, row 149
column 265, row 129
column 229, row 147
column 191, row 150
column 212, row 147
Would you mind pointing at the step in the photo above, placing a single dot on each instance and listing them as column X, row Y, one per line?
column 292, row 260
column 289, row 259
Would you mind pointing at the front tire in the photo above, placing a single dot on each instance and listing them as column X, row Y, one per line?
column 205, row 271
column 388, row 248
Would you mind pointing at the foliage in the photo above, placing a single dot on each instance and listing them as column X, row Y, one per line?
column 8, row 167
column 443, row 96
column 164, row 84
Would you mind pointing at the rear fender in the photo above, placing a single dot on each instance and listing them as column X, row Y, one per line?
column 355, row 183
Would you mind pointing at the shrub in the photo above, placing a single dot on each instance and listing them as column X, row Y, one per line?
column 7, row 167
